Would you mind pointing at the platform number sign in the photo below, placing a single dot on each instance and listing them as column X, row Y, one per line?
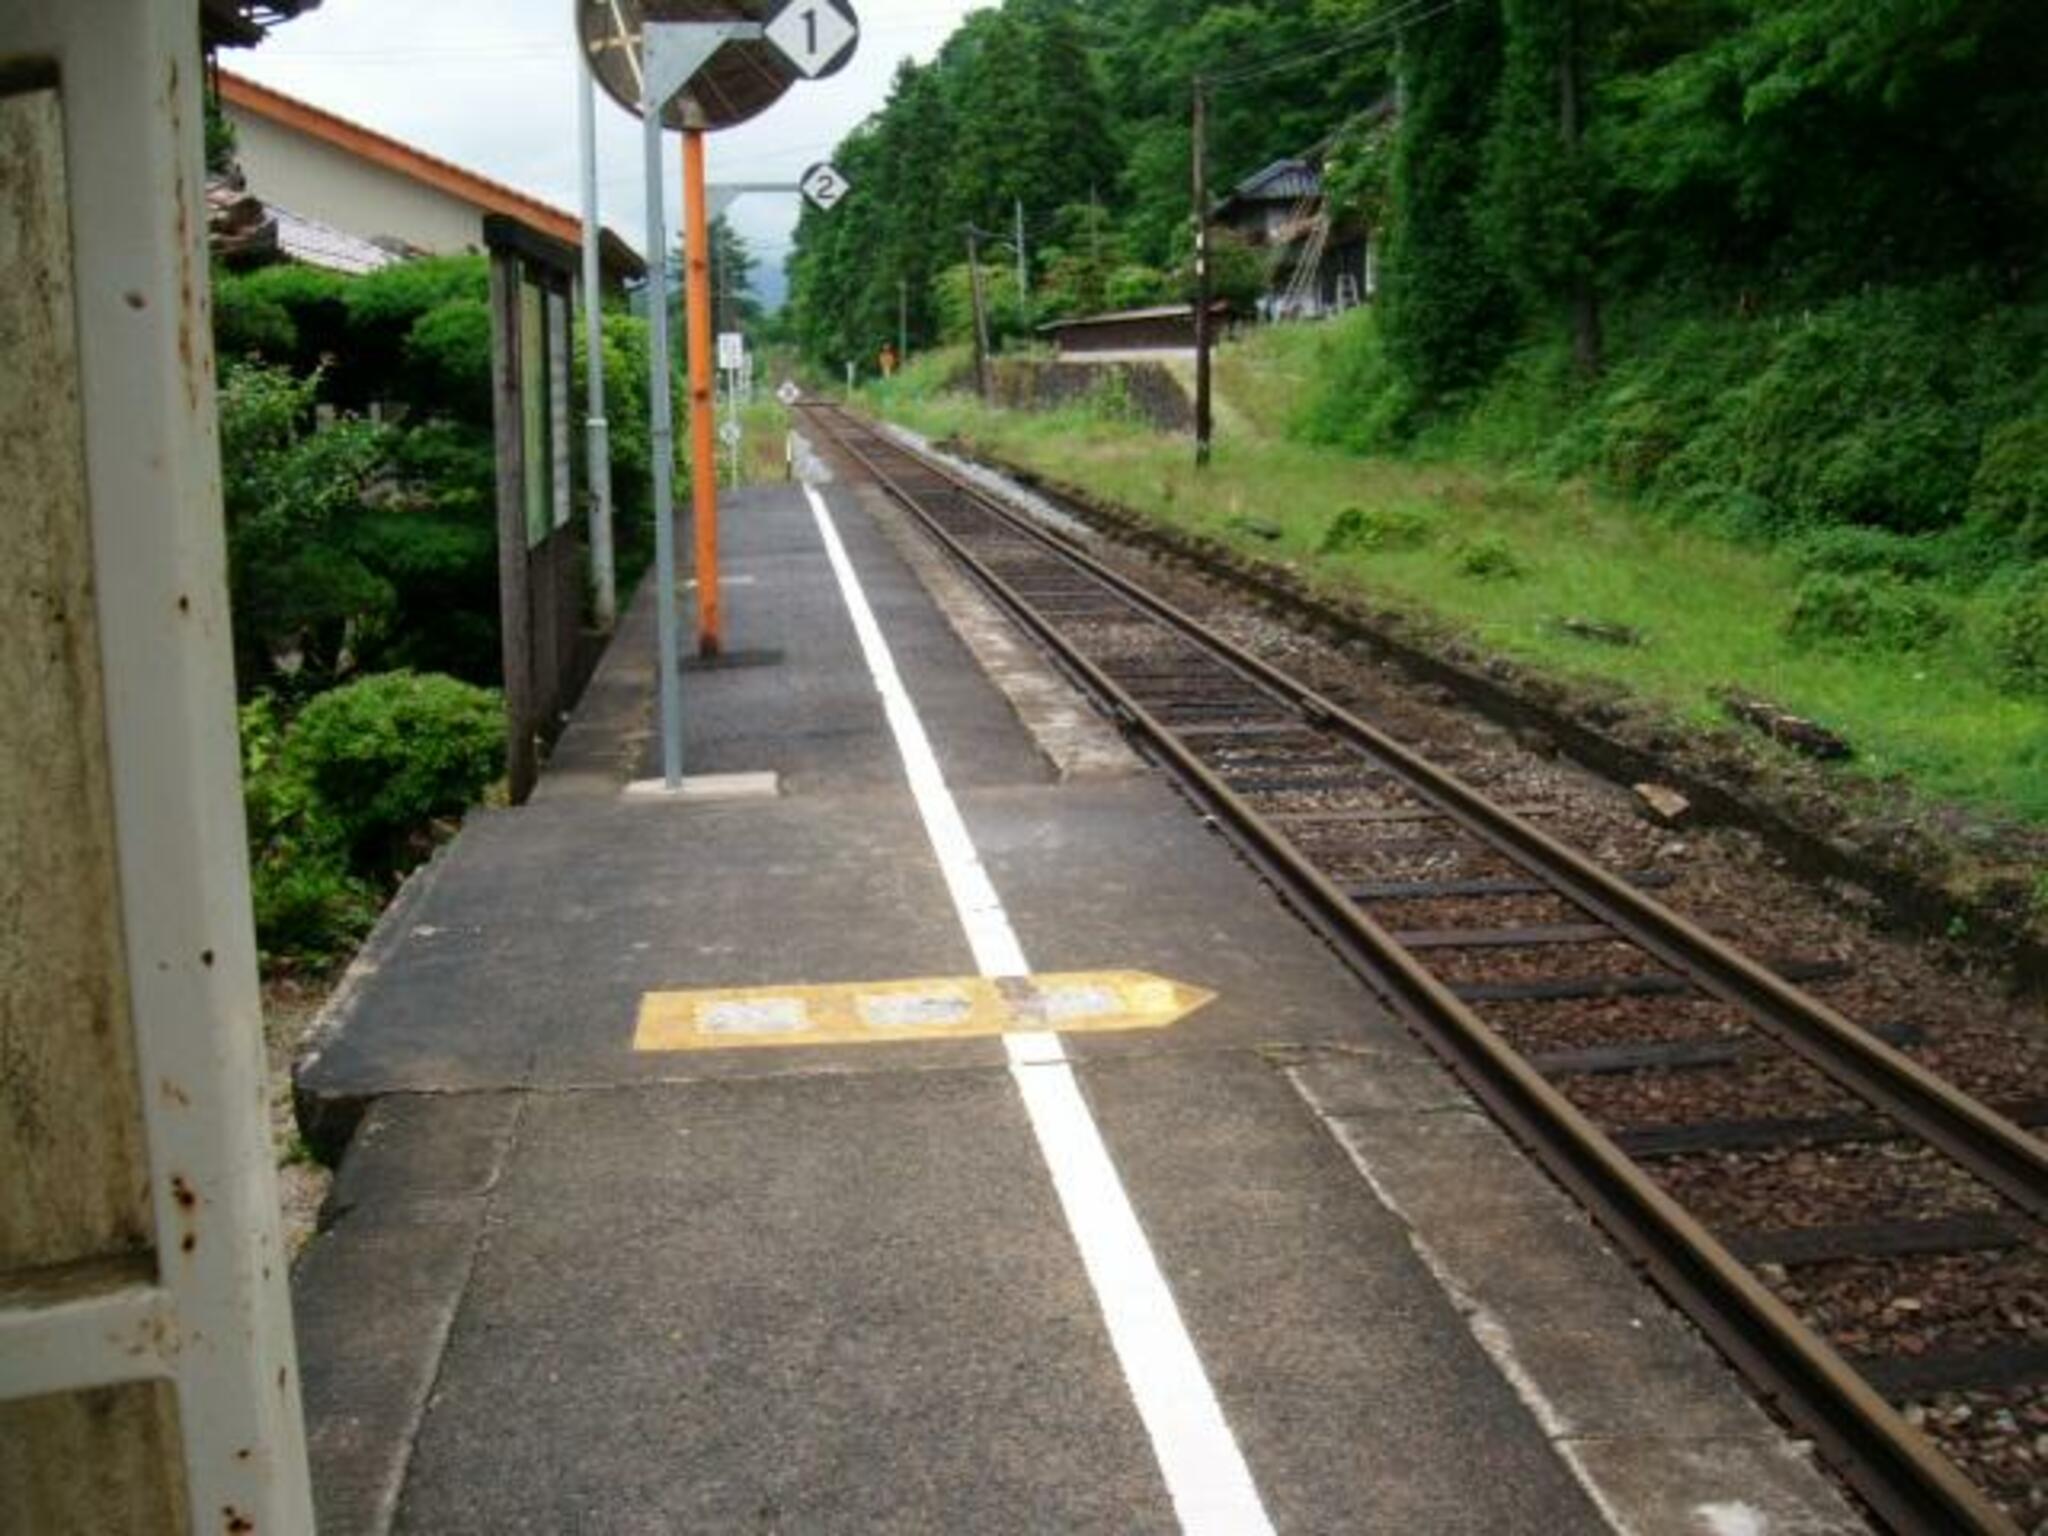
column 817, row 36
column 824, row 186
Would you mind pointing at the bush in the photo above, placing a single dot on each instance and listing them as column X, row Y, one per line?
column 394, row 298
column 387, row 755
column 247, row 323
column 1851, row 551
column 2019, row 630
column 1135, row 286
column 447, row 355
column 308, row 907
column 2009, row 494
column 286, row 314
column 1371, row 528
column 1864, row 610
column 303, row 601
column 1489, row 558
column 1356, row 401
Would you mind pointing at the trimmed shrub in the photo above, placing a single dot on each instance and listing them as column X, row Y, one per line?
column 248, row 323
column 1867, row 611
column 447, row 355
column 386, row 756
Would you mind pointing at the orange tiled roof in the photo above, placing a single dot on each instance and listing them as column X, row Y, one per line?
column 381, row 149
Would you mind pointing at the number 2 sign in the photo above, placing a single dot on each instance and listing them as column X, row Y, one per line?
column 817, row 36
column 824, row 186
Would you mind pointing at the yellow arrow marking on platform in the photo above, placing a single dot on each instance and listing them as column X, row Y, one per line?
column 942, row 1008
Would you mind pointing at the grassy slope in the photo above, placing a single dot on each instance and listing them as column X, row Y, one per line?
column 1713, row 611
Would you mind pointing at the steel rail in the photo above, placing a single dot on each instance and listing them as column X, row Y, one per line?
column 1892, row 1466
column 2003, row 1154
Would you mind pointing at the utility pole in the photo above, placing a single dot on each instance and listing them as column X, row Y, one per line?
column 902, row 321
column 598, row 447
column 1023, row 270
column 981, row 347
column 1203, row 426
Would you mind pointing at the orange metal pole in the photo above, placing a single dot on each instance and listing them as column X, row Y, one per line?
column 703, row 406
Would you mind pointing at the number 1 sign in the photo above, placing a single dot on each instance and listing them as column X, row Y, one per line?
column 816, row 36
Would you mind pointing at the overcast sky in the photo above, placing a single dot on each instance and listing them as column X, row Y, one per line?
column 491, row 85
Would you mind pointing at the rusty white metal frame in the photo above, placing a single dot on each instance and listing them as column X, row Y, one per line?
column 214, row 1317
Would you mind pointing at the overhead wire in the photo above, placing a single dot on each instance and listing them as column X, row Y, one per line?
column 1388, row 24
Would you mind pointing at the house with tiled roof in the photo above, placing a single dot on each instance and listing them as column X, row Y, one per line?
column 347, row 197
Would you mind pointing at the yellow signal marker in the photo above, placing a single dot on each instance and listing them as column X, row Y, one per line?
column 938, row 1008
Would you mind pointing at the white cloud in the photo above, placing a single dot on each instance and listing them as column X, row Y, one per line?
column 491, row 85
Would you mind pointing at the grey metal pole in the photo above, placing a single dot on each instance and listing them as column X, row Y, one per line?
column 598, row 453
column 663, row 433
column 1204, row 427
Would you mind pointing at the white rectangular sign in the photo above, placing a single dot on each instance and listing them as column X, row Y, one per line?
column 732, row 351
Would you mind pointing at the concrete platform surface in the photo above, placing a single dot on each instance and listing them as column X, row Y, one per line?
column 1262, row 1268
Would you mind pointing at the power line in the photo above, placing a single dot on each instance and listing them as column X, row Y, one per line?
column 1389, row 24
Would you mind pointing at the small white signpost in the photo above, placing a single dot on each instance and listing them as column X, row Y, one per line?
column 732, row 351
column 817, row 36
column 729, row 433
column 788, row 393
column 824, row 186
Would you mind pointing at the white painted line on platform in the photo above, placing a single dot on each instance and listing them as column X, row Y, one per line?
column 1199, row 1458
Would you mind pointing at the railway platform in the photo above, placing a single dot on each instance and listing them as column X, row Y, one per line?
column 930, row 1126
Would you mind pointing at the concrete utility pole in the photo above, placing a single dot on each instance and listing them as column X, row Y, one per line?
column 598, row 452
column 981, row 346
column 902, row 321
column 1023, row 270
column 1203, row 425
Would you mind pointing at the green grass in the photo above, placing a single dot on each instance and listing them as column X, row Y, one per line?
column 1502, row 558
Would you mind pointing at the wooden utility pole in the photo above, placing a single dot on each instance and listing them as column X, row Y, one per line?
column 981, row 343
column 1203, row 425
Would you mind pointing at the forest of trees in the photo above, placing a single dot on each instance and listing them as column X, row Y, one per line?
column 1784, row 252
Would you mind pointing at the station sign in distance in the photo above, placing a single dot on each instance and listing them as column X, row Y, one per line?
column 929, row 1008
column 732, row 351
column 824, row 187
column 789, row 394
column 818, row 37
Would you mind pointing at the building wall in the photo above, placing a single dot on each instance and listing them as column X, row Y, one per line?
column 1157, row 333
column 322, row 181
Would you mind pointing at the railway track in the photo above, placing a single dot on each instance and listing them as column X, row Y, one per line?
column 1678, row 1086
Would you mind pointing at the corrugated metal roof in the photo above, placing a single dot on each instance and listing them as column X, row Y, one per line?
column 1283, row 181
column 1118, row 317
